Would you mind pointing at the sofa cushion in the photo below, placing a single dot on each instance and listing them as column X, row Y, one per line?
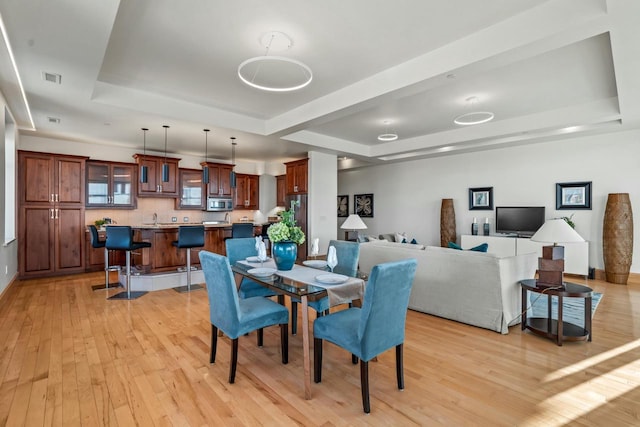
column 397, row 245
column 400, row 237
column 388, row 237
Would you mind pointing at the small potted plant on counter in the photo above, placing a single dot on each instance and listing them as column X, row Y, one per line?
column 99, row 223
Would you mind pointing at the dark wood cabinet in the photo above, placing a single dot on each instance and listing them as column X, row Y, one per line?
column 297, row 181
column 219, row 184
column 191, row 190
column 51, row 230
column 155, row 187
column 110, row 185
column 281, row 190
column 247, row 192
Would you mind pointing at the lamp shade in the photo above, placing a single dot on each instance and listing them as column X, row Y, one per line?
column 556, row 231
column 353, row 222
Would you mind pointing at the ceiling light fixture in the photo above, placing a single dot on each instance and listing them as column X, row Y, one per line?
column 474, row 117
column 275, row 73
column 205, row 167
column 387, row 136
column 233, row 161
column 144, row 169
column 165, row 165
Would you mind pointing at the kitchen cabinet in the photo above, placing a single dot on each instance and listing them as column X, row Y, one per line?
column 110, row 185
column 191, row 190
column 155, row 187
column 281, row 190
column 51, row 229
column 297, row 181
column 219, row 184
column 247, row 190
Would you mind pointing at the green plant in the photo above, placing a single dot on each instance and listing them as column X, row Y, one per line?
column 569, row 220
column 286, row 230
column 99, row 222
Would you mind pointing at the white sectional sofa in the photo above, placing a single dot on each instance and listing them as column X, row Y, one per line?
column 476, row 288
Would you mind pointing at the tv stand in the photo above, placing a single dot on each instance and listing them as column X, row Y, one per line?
column 576, row 255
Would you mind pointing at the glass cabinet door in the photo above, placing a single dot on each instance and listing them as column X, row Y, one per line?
column 97, row 184
column 122, row 185
column 191, row 190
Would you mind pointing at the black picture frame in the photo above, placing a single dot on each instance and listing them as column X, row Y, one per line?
column 481, row 199
column 573, row 195
column 363, row 205
column 343, row 206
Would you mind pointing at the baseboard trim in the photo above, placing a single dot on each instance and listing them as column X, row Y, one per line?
column 11, row 283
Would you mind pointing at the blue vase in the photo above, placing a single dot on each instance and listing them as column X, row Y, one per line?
column 284, row 254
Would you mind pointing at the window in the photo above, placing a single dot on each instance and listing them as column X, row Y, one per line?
column 9, row 178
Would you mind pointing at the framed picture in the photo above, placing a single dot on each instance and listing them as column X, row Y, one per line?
column 363, row 205
column 573, row 195
column 343, row 206
column 481, row 198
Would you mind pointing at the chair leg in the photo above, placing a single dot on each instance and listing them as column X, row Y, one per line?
column 214, row 344
column 354, row 359
column 234, row 361
column 364, row 385
column 284, row 342
column 317, row 360
column 400, row 366
column 260, row 335
column 294, row 317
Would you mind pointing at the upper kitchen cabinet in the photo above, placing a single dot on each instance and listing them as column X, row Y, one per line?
column 191, row 190
column 219, row 184
column 155, row 187
column 110, row 185
column 247, row 190
column 281, row 190
column 297, row 177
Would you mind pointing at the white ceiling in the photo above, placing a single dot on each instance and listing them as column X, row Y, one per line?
column 547, row 69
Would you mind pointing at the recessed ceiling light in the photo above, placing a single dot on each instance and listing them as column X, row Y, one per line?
column 51, row 77
column 53, row 120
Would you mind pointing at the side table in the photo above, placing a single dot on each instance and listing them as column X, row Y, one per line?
column 557, row 330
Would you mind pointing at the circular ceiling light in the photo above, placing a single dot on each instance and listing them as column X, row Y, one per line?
column 275, row 73
column 474, row 118
column 386, row 137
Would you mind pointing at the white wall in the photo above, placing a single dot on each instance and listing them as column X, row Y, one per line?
column 407, row 196
column 323, row 187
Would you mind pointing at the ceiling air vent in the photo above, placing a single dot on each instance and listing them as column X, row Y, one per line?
column 53, row 120
column 51, row 77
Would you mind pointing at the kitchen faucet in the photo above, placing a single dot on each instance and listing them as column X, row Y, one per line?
column 227, row 218
column 155, row 218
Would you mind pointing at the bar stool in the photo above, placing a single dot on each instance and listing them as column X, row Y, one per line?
column 189, row 236
column 120, row 238
column 97, row 244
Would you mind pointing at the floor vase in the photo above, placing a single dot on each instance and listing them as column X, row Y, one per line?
column 284, row 255
column 617, row 238
column 447, row 223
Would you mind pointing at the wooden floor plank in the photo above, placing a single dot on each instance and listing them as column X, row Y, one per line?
column 68, row 356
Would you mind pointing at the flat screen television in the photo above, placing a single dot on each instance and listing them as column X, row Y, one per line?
column 523, row 221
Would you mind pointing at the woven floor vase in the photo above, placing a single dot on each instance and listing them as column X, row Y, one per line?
column 447, row 223
column 617, row 238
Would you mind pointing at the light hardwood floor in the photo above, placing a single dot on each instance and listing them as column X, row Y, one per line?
column 70, row 357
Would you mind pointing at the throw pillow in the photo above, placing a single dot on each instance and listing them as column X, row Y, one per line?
column 400, row 237
column 372, row 238
column 454, row 246
column 480, row 248
column 414, row 242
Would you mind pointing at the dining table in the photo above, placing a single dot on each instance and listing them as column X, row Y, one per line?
column 306, row 284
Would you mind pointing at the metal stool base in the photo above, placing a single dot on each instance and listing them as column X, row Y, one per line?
column 128, row 295
column 183, row 289
column 103, row 286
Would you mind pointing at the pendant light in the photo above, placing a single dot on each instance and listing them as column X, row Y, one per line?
column 165, row 166
column 205, row 168
column 233, row 161
column 144, row 169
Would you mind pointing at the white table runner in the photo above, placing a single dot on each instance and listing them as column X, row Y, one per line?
column 342, row 293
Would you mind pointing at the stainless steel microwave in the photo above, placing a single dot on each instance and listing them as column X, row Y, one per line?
column 217, row 204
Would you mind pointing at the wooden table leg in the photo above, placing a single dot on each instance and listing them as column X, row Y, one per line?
column 560, row 328
column 305, row 348
column 587, row 316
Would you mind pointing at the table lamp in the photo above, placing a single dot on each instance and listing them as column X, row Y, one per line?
column 354, row 223
column 551, row 264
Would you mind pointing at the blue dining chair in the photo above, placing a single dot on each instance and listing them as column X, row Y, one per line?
column 234, row 316
column 376, row 327
column 237, row 250
column 348, row 254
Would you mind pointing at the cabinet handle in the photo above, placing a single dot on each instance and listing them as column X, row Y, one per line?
column 52, row 199
column 57, row 197
column 56, row 213
column 295, row 188
column 51, row 213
